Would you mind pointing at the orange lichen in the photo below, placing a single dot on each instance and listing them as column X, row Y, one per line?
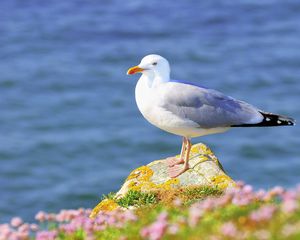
column 105, row 205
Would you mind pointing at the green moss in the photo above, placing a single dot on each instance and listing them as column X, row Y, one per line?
column 137, row 198
column 110, row 196
column 196, row 193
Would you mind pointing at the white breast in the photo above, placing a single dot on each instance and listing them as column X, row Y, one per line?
column 143, row 96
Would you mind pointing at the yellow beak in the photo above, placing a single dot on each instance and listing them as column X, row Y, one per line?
column 134, row 70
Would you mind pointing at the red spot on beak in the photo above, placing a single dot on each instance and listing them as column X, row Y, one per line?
column 134, row 70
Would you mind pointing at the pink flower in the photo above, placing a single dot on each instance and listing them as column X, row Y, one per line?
column 68, row 228
column 298, row 189
column 34, row 227
column 223, row 200
column 247, row 189
column 50, row 217
column 261, row 194
column 40, row 216
column 289, row 205
column 240, row 184
column 46, row 235
column 111, row 220
column 229, row 229
column 16, row 222
column 173, row 229
column 232, row 191
column 5, row 231
column 264, row 213
column 277, row 190
column 157, row 229
column 20, row 236
column 88, row 225
column 289, row 195
column 177, row 202
column 241, row 200
column 162, row 216
column 195, row 213
column 208, row 204
column 24, row 228
column 274, row 192
column 129, row 216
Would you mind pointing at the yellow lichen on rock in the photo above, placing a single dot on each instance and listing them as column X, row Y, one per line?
column 140, row 180
column 141, row 185
column 195, row 149
column 206, row 150
column 201, row 149
column 105, row 205
column 203, row 158
column 168, row 184
column 222, row 181
column 142, row 173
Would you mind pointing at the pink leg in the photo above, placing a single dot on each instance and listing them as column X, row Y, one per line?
column 172, row 161
column 176, row 170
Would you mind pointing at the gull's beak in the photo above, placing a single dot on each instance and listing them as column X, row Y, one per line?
column 134, row 70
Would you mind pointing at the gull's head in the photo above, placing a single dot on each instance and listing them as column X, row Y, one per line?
column 152, row 65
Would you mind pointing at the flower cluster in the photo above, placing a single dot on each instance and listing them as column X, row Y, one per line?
column 17, row 230
column 66, row 222
column 239, row 213
column 259, row 208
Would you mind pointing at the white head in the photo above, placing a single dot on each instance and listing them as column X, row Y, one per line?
column 153, row 66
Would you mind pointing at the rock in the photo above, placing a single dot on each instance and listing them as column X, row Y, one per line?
column 205, row 169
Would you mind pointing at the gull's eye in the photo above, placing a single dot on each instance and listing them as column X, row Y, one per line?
column 154, row 64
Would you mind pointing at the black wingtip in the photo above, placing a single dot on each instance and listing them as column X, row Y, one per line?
column 271, row 120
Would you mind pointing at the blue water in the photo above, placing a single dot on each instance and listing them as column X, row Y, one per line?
column 70, row 128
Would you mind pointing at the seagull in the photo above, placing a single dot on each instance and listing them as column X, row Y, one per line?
column 189, row 110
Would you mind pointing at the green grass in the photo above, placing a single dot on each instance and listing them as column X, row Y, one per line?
column 187, row 195
column 110, row 195
column 193, row 194
column 137, row 199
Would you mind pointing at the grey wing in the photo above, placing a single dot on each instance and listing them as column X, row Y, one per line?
column 207, row 107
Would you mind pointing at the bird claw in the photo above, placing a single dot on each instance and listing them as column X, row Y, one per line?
column 177, row 170
column 172, row 161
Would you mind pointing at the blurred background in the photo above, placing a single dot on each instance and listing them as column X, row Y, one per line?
column 70, row 130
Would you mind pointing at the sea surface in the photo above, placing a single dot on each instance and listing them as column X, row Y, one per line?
column 70, row 129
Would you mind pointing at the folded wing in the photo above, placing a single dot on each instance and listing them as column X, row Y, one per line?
column 206, row 107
